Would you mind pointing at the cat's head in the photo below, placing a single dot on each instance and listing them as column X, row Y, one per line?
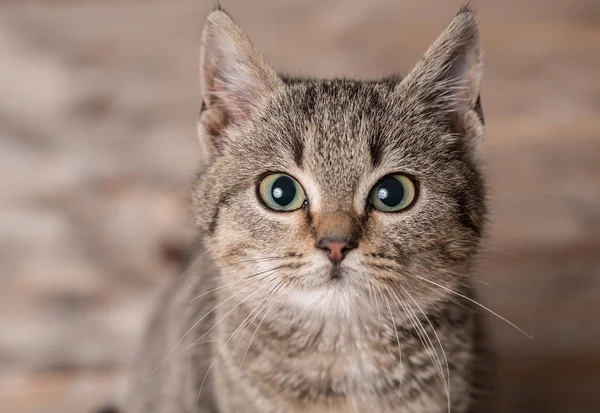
column 324, row 193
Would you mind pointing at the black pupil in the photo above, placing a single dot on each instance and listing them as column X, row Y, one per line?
column 283, row 190
column 390, row 191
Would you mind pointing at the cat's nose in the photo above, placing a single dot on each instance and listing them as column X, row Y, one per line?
column 336, row 249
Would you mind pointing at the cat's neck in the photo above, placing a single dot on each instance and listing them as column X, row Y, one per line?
column 285, row 327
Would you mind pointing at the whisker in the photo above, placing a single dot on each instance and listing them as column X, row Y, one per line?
column 219, row 353
column 229, row 339
column 424, row 338
column 250, row 321
column 216, row 289
column 509, row 253
column 276, row 289
column 493, row 287
column 530, row 336
column 202, row 342
column 372, row 300
column 234, row 282
column 236, row 306
column 191, row 276
column 252, row 260
column 377, row 304
column 397, row 338
column 200, row 320
column 439, row 342
column 253, row 335
column 262, row 272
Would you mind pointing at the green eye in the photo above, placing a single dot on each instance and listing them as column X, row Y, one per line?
column 281, row 192
column 393, row 193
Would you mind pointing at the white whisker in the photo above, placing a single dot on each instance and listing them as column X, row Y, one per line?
column 230, row 311
column 424, row 338
column 253, row 335
column 397, row 338
column 439, row 342
column 219, row 353
column 202, row 318
column 530, row 336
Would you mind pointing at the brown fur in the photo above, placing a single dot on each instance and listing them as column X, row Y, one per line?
column 284, row 335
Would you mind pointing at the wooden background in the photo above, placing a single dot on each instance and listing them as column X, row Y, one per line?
column 98, row 101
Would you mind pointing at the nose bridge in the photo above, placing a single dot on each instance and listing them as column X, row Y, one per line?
column 336, row 235
column 337, row 225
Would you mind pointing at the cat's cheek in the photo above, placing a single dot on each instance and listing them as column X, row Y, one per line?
column 385, row 231
column 269, row 233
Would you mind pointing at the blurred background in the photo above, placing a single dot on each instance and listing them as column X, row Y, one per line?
column 98, row 104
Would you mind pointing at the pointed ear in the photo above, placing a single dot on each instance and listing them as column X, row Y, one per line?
column 234, row 79
column 447, row 79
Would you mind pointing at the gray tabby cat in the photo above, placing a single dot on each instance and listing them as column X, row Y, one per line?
column 339, row 220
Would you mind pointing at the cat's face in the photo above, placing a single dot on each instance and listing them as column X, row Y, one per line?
column 325, row 194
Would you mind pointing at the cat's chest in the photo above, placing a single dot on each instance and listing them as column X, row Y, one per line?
column 345, row 369
column 344, row 360
column 348, row 361
column 357, row 380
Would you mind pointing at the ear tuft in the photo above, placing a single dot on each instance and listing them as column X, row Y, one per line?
column 465, row 8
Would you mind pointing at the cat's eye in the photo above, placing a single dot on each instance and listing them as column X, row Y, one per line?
column 393, row 193
column 281, row 192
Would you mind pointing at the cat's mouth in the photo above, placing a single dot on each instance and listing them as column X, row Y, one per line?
column 336, row 273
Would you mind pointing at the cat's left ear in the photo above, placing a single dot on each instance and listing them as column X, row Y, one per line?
column 234, row 79
column 447, row 79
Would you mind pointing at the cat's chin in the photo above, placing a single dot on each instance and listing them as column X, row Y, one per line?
column 334, row 297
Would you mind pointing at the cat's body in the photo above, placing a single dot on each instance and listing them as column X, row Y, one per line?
column 338, row 303
column 175, row 386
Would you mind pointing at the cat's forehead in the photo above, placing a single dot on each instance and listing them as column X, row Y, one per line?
column 338, row 122
column 337, row 132
column 350, row 124
column 337, row 100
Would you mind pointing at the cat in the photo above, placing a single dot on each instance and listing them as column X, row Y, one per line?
column 339, row 223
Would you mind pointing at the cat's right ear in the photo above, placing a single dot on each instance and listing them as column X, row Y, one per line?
column 234, row 79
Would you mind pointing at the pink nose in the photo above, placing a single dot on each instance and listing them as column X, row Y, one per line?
column 336, row 249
